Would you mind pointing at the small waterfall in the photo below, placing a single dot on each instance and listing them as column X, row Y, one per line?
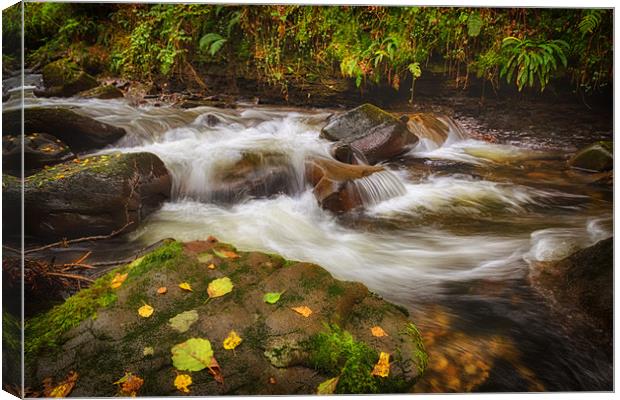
column 435, row 131
column 378, row 187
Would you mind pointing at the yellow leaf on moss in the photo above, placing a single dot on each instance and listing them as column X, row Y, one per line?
column 328, row 386
column 118, row 280
column 377, row 331
column 382, row 367
column 232, row 341
column 303, row 310
column 225, row 254
column 182, row 382
column 219, row 287
column 145, row 311
column 185, row 286
column 211, row 266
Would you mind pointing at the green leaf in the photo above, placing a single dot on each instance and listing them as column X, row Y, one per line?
column 474, row 24
column 415, row 70
column 216, row 46
column 192, row 355
column 208, row 39
column 328, row 386
column 272, row 297
column 181, row 322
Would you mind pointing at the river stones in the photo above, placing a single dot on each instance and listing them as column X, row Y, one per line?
column 64, row 78
column 92, row 196
column 333, row 183
column 596, row 157
column 281, row 351
column 79, row 132
column 581, row 285
column 367, row 135
column 40, row 149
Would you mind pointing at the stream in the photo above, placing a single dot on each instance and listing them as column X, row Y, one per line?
column 453, row 246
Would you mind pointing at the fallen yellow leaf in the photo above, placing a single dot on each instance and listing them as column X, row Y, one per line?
column 162, row 290
column 377, row 331
column 118, row 280
column 225, row 254
column 382, row 367
column 303, row 310
column 182, row 382
column 328, row 386
column 145, row 311
column 211, row 266
column 185, row 286
column 232, row 341
column 62, row 389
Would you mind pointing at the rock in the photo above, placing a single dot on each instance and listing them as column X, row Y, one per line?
column 333, row 183
column 11, row 206
column 103, row 92
column 79, row 132
column 40, row 149
column 94, row 196
column 281, row 351
column 254, row 175
column 368, row 134
column 595, row 157
column 435, row 128
column 581, row 285
column 63, row 78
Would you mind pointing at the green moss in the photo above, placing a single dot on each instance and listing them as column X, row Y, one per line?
column 167, row 256
column 335, row 289
column 420, row 351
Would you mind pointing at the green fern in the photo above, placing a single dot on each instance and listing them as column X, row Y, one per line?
column 212, row 43
column 590, row 21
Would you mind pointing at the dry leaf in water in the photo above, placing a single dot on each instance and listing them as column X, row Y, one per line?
column 328, row 386
column 145, row 311
column 232, row 341
column 382, row 367
column 130, row 384
column 63, row 388
column 118, row 280
column 162, row 290
column 185, row 286
column 219, row 287
column 182, row 382
column 303, row 310
column 377, row 331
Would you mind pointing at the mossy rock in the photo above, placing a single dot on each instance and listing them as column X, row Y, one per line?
column 597, row 157
column 99, row 334
column 103, row 92
column 64, row 78
column 79, row 132
column 92, row 196
column 39, row 149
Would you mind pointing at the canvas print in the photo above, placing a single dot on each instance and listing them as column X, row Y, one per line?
column 222, row 199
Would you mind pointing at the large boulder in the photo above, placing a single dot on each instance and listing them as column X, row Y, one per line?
column 79, row 132
column 581, row 285
column 368, row 135
column 280, row 352
column 64, row 78
column 255, row 174
column 93, row 196
column 40, row 149
column 334, row 183
column 596, row 157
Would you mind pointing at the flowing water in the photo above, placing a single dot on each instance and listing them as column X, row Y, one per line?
column 448, row 232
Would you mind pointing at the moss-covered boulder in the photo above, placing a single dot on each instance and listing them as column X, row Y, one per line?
column 93, row 196
column 596, row 157
column 40, row 149
column 581, row 285
column 103, row 92
column 368, row 135
column 99, row 333
column 64, row 78
column 79, row 132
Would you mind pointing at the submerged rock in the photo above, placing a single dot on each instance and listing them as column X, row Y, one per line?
column 40, row 149
column 79, row 132
column 281, row 351
column 595, row 157
column 103, row 92
column 63, row 78
column 581, row 284
column 93, row 196
column 368, row 135
column 333, row 183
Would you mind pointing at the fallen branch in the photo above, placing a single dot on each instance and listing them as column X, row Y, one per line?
column 71, row 276
column 65, row 243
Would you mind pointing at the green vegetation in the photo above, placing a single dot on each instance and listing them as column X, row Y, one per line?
column 291, row 44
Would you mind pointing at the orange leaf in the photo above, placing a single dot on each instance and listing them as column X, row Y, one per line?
column 382, row 367
column 377, row 331
column 63, row 388
column 211, row 266
column 118, row 280
column 303, row 310
column 162, row 290
column 130, row 384
column 215, row 370
column 225, row 254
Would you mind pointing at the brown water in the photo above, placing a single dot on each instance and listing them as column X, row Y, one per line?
column 453, row 248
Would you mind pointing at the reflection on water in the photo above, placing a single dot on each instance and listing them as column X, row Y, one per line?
column 453, row 246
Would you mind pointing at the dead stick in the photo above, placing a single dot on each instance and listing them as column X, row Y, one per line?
column 84, row 239
column 71, row 276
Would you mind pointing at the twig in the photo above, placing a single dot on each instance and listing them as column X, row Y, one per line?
column 70, row 276
column 11, row 249
column 84, row 239
column 69, row 266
